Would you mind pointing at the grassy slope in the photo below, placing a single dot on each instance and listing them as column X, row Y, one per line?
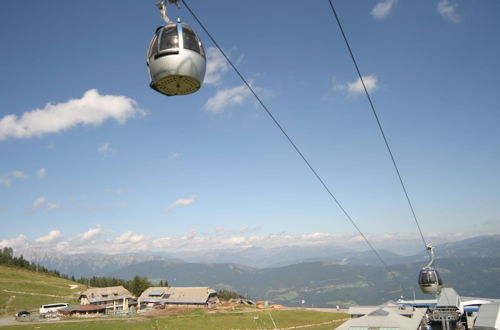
column 212, row 321
column 31, row 289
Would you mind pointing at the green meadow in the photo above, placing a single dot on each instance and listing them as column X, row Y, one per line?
column 22, row 289
column 207, row 321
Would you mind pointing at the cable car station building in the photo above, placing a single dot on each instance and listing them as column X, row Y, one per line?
column 175, row 297
column 448, row 311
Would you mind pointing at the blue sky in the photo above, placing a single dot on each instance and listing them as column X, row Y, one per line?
column 92, row 158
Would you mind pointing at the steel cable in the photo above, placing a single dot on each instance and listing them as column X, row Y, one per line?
column 295, row 147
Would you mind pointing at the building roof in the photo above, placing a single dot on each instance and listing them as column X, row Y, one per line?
column 89, row 308
column 106, row 294
column 153, row 294
column 179, row 295
column 479, row 301
column 364, row 310
column 448, row 298
column 488, row 317
column 242, row 301
column 386, row 317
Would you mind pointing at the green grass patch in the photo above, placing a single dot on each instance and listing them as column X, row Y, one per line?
column 209, row 321
column 22, row 289
column 288, row 296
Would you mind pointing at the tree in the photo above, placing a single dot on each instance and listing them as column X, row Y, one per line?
column 138, row 285
column 228, row 294
column 6, row 255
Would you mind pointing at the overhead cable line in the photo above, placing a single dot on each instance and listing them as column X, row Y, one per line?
column 379, row 125
column 295, row 147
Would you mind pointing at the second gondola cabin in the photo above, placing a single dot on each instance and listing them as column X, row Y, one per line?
column 176, row 60
column 429, row 280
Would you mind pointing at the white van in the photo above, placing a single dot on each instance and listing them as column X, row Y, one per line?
column 51, row 308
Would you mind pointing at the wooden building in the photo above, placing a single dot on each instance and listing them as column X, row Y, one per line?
column 114, row 297
column 188, row 297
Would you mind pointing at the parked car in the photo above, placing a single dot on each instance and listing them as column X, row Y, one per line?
column 22, row 313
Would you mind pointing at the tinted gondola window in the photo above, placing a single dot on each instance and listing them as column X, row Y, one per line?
column 439, row 280
column 429, row 277
column 422, row 277
column 191, row 41
column 169, row 38
column 153, row 46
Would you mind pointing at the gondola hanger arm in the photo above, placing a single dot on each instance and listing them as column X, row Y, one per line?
column 430, row 248
column 162, row 5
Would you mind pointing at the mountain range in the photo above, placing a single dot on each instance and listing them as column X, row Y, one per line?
column 325, row 284
column 321, row 276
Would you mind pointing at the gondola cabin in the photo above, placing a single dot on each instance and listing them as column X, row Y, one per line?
column 429, row 280
column 176, row 60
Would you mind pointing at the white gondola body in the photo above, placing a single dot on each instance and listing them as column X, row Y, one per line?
column 174, row 68
column 429, row 280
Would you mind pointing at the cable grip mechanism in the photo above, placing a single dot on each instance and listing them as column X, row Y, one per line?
column 162, row 5
column 430, row 248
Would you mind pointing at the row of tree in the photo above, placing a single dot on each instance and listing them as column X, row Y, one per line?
column 139, row 284
column 136, row 286
column 7, row 258
column 228, row 294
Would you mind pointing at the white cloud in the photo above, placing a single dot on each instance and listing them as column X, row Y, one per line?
column 18, row 175
column 91, row 109
column 383, row 9
column 128, row 237
column 41, row 201
column 226, row 97
column 41, row 172
column 52, row 206
column 356, row 87
column 9, row 178
column 221, row 238
column 117, row 191
column 447, row 9
column 18, row 242
column 105, row 148
column 181, row 202
column 91, row 233
column 38, row 202
column 221, row 231
column 174, row 155
column 5, row 181
column 217, row 66
column 242, row 238
column 50, row 237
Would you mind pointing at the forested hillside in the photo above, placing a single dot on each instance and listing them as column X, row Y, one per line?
column 324, row 284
